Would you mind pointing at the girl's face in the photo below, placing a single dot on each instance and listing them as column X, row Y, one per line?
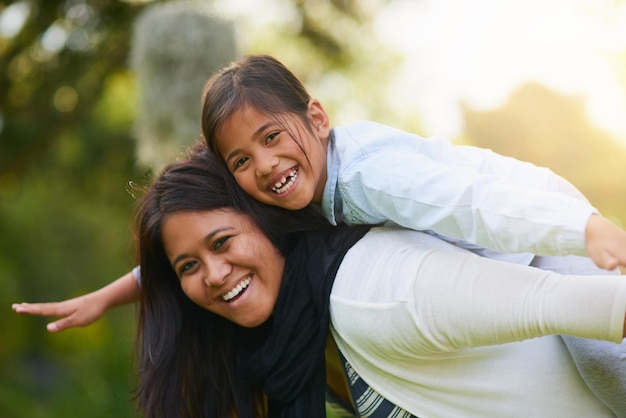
column 269, row 163
column 225, row 264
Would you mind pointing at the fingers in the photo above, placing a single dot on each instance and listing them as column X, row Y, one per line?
column 54, row 327
column 608, row 262
column 612, row 263
column 69, row 317
column 62, row 324
column 605, row 256
column 40, row 309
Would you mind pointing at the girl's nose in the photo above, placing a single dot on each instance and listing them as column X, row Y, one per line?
column 266, row 165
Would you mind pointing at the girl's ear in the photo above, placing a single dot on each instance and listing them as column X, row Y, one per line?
column 319, row 119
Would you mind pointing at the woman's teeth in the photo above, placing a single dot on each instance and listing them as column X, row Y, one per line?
column 286, row 182
column 237, row 290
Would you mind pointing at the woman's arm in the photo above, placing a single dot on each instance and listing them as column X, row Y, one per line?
column 481, row 302
column 83, row 310
column 454, row 299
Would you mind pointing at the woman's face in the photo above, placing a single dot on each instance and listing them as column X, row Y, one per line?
column 225, row 263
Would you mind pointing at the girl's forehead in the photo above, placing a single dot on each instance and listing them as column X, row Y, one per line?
column 251, row 120
column 244, row 115
column 248, row 112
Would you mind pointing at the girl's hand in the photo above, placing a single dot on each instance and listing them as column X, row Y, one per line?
column 86, row 309
column 77, row 312
column 606, row 243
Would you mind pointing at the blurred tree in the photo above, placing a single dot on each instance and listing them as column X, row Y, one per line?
column 54, row 69
column 552, row 130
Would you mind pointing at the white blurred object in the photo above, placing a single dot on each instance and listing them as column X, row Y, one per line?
column 176, row 47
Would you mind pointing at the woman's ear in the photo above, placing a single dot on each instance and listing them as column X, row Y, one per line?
column 319, row 119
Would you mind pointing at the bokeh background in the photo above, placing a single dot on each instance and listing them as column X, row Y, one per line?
column 95, row 95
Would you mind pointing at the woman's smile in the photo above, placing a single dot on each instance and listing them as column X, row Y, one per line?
column 237, row 290
column 225, row 264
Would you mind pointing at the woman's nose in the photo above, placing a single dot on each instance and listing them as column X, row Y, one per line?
column 216, row 274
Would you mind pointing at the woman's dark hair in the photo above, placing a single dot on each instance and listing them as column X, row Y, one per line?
column 186, row 354
column 259, row 81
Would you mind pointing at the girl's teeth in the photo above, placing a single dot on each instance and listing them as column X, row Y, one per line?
column 286, row 182
column 237, row 290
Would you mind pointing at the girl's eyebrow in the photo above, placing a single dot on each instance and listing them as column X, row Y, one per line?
column 208, row 237
column 255, row 134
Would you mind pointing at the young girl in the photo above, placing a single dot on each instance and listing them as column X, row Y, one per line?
column 278, row 143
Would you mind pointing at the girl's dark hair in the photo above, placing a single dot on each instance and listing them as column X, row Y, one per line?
column 259, row 81
column 186, row 355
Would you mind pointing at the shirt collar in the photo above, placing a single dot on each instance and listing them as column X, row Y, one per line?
column 332, row 171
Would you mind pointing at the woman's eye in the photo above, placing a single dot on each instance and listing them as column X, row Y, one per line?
column 239, row 162
column 271, row 137
column 186, row 267
column 219, row 243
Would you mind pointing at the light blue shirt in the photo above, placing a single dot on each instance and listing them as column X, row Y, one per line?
column 494, row 205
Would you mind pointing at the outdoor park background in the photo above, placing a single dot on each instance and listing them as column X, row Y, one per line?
column 81, row 117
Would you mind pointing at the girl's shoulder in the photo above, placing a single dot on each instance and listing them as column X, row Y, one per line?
column 366, row 137
column 365, row 130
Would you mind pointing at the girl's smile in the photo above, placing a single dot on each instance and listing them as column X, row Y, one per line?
column 278, row 161
column 285, row 182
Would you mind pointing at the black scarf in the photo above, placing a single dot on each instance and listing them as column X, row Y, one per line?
column 286, row 354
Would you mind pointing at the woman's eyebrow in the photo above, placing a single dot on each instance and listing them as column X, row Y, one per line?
column 208, row 237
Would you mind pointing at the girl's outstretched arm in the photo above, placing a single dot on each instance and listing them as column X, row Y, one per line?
column 83, row 310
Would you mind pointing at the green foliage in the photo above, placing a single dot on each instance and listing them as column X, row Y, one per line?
column 76, row 373
column 66, row 157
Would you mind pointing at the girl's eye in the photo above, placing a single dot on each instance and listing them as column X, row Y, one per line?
column 239, row 162
column 219, row 243
column 271, row 137
column 186, row 267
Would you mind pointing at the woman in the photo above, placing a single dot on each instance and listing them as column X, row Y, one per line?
column 236, row 299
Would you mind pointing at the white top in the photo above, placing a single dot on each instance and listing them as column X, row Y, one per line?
column 435, row 328
column 381, row 175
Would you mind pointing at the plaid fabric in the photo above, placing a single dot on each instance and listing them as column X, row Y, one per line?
column 368, row 402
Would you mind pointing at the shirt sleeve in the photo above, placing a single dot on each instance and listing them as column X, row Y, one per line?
column 469, row 194
column 479, row 302
column 137, row 273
